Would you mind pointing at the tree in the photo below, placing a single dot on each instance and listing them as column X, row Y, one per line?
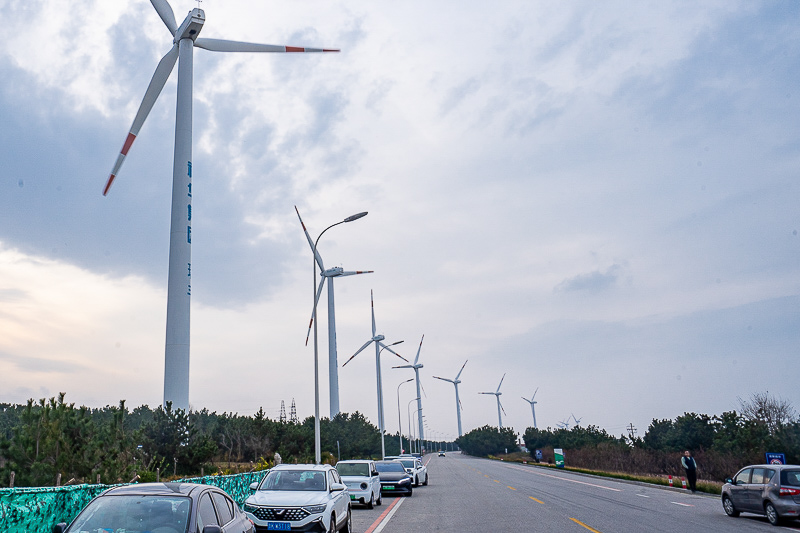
column 763, row 408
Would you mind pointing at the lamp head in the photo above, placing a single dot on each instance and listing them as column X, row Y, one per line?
column 356, row 216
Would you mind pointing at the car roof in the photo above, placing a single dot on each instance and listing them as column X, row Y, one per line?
column 285, row 466
column 159, row 489
column 776, row 466
column 359, row 461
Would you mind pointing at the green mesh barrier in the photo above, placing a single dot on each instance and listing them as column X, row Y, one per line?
column 37, row 510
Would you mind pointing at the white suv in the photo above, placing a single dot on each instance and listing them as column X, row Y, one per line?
column 415, row 468
column 362, row 481
column 300, row 498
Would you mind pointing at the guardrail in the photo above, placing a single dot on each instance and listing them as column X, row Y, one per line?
column 38, row 509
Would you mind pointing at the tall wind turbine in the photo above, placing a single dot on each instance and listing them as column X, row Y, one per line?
column 416, row 366
column 497, row 395
column 533, row 405
column 379, row 346
column 329, row 275
column 179, row 287
column 458, row 402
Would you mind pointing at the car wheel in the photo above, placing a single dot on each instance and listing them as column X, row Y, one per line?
column 348, row 526
column 371, row 503
column 332, row 528
column 410, row 492
column 416, row 482
column 772, row 514
column 426, row 480
column 379, row 501
column 727, row 504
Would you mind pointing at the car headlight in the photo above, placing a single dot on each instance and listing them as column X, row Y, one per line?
column 249, row 508
column 363, row 486
column 405, row 481
column 315, row 509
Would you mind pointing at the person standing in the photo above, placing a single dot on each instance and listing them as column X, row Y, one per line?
column 690, row 465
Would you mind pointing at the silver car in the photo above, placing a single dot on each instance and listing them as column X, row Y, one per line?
column 769, row 490
column 362, row 480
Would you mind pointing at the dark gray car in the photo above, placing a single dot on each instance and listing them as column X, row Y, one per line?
column 769, row 490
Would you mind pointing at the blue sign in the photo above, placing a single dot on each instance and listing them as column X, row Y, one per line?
column 776, row 459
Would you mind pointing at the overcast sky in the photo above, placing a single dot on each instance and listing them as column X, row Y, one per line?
column 598, row 199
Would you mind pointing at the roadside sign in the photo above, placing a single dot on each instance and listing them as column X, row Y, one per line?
column 776, row 459
column 559, row 453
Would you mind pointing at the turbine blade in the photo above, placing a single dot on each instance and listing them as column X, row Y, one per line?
column 443, row 379
column 534, row 393
column 423, row 389
column 418, row 349
column 462, row 369
column 390, row 350
column 157, row 82
column 501, row 406
column 501, row 383
column 372, row 306
column 354, row 272
column 359, row 351
column 311, row 242
column 314, row 311
column 167, row 15
column 404, row 366
column 222, row 45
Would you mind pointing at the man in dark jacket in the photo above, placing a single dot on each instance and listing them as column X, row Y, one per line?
column 690, row 465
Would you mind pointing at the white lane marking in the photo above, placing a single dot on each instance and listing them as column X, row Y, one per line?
column 642, row 496
column 682, row 504
column 579, row 482
column 388, row 517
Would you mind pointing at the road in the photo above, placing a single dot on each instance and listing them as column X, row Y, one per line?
column 467, row 494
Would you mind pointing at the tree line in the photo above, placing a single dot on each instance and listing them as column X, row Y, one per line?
column 41, row 440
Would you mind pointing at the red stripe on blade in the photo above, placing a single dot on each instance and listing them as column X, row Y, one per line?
column 295, row 49
column 128, row 143
column 108, row 184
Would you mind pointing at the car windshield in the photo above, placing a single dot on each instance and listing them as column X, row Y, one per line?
column 790, row 478
column 133, row 514
column 300, row 480
column 408, row 463
column 389, row 467
column 353, row 469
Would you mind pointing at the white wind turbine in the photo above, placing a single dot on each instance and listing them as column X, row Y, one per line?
column 329, row 275
column 455, row 382
column 533, row 405
column 497, row 395
column 379, row 346
column 416, row 366
column 179, row 287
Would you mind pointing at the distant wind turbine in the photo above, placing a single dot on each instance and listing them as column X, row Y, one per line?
column 379, row 346
column 416, row 366
column 329, row 275
column 497, row 395
column 455, row 382
column 577, row 420
column 179, row 287
column 533, row 405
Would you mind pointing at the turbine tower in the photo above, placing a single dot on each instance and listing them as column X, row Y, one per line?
column 329, row 275
column 416, row 366
column 497, row 395
column 379, row 346
column 458, row 401
column 533, row 405
column 179, row 286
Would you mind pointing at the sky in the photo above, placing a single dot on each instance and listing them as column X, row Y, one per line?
column 596, row 200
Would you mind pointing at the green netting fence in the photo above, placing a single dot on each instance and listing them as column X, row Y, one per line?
column 37, row 510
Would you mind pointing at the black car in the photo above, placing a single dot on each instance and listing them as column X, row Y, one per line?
column 161, row 508
column 394, row 478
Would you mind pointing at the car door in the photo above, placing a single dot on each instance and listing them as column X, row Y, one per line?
column 226, row 513
column 739, row 494
column 374, row 481
column 206, row 515
column 341, row 499
column 757, row 490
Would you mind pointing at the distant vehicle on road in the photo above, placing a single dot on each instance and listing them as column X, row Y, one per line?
column 161, row 508
column 362, row 480
column 300, row 498
column 441, row 453
column 769, row 490
column 394, row 478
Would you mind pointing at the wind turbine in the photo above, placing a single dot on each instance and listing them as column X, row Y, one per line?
column 458, row 402
column 577, row 420
column 416, row 366
column 329, row 275
column 379, row 346
column 533, row 405
column 497, row 395
column 179, row 287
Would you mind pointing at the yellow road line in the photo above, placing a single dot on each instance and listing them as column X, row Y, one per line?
column 512, row 488
column 485, row 475
column 495, row 481
column 536, row 500
column 593, row 530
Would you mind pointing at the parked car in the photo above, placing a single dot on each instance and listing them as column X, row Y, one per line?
column 161, row 508
column 300, row 498
column 362, row 480
column 769, row 490
column 415, row 468
column 394, row 478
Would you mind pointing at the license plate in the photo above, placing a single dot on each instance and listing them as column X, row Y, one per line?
column 279, row 526
column 388, row 487
column 352, row 496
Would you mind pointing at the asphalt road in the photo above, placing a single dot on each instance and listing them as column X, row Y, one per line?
column 468, row 495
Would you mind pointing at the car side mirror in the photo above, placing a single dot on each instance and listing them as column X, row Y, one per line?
column 375, row 473
column 61, row 527
column 254, row 486
column 729, row 480
column 336, row 487
column 212, row 529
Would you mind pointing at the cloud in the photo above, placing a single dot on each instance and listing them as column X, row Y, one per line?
column 591, row 282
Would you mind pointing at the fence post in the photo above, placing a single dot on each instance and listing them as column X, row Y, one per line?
column 670, row 481
column 13, row 475
column 98, row 479
column 683, row 480
column 58, row 480
column 158, row 474
column 202, row 472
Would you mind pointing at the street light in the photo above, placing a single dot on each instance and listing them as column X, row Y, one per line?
column 317, row 439
column 399, row 423
column 410, row 427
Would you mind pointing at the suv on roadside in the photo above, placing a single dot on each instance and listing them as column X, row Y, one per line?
column 415, row 468
column 770, row 490
column 300, row 498
column 362, row 480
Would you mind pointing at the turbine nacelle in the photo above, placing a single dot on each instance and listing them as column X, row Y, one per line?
column 378, row 338
column 191, row 25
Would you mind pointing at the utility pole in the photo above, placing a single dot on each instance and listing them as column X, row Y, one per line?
column 631, row 431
